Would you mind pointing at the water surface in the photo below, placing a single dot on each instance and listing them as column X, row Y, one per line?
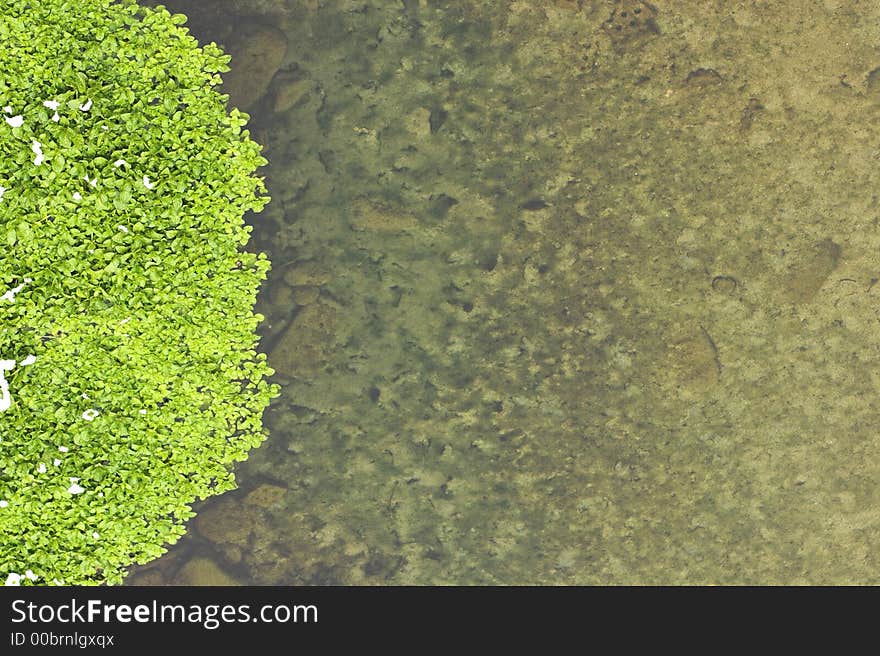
column 562, row 293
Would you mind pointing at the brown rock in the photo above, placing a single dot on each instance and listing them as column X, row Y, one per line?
column 810, row 271
column 305, row 294
column 203, row 571
column 418, row 122
column 231, row 553
column 305, row 345
column 306, row 273
column 631, row 23
column 289, row 89
column 265, row 495
column 381, row 218
column 149, row 577
column 692, row 364
column 225, row 522
column 257, row 52
column 281, row 296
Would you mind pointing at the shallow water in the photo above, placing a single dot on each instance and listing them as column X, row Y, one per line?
column 562, row 292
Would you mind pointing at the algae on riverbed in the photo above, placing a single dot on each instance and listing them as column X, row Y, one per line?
column 569, row 292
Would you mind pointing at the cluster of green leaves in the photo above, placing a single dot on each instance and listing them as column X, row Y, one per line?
column 140, row 305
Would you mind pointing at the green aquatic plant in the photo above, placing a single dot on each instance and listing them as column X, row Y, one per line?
column 129, row 379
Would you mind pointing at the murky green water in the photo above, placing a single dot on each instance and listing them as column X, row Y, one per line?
column 563, row 292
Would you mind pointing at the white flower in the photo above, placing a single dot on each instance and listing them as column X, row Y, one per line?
column 95, row 535
column 119, row 162
column 93, row 181
column 147, row 183
column 4, row 503
column 42, row 468
column 87, row 106
column 30, row 576
column 5, row 397
column 2, row 191
column 63, row 449
column 75, row 489
column 90, row 414
column 56, row 462
column 53, row 105
column 77, row 195
column 30, row 359
column 15, row 121
column 122, row 228
column 10, row 295
column 13, row 579
column 37, row 147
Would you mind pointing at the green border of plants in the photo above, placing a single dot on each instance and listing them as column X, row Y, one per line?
column 127, row 331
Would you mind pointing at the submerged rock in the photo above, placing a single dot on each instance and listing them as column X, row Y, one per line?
column 225, row 522
column 203, row 571
column 257, row 52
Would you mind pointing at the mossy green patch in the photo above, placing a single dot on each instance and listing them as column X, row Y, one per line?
column 128, row 307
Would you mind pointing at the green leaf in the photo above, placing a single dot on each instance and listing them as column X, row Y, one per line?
column 126, row 308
